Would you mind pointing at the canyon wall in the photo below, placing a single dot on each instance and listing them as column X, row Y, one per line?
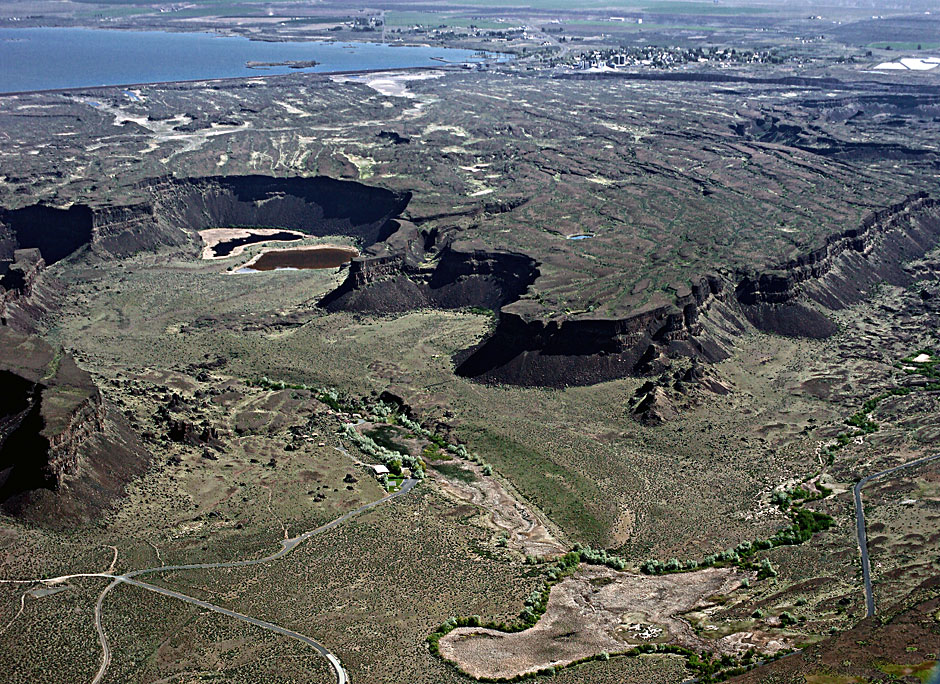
column 315, row 206
column 403, row 267
column 399, row 276
column 791, row 299
column 176, row 208
column 50, row 409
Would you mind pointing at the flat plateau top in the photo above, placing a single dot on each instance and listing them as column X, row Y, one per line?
column 662, row 181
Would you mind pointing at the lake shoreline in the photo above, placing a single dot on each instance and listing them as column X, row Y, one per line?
column 228, row 79
column 53, row 60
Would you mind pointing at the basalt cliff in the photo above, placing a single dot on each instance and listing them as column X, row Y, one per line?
column 166, row 212
column 405, row 266
column 57, row 436
column 413, row 269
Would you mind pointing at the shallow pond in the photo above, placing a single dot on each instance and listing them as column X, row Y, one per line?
column 300, row 258
column 226, row 247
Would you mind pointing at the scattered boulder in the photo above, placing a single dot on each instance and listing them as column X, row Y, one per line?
column 654, row 406
column 186, row 432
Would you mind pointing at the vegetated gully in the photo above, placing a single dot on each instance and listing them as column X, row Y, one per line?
column 287, row 546
column 230, row 201
column 860, row 525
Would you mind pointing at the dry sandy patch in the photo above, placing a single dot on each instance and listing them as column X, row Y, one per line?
column 213, row 236
column 597, row 610
column 526, row 532
column 389, row 84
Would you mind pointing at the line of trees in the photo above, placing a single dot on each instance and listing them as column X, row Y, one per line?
column 804, row 524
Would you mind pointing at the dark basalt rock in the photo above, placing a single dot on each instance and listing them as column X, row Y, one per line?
column 18, row 279
column 52, row 436
column 177, row 207
column 791, row 320
column 186, row 432
column 769, row 129
column 842, row 272
column 404, row 267
column 398, row 277
column 393, row 137
column 654, row 406
column 315, row 206
column 587, row 351
column 663, row 399
column 790, row 300
column 56, row 233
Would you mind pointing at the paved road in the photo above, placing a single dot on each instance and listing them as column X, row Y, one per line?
column 287, row 546
column 341, row 676
column 860, row 526
column 102, row 637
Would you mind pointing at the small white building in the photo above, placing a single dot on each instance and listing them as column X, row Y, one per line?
column 379, row 469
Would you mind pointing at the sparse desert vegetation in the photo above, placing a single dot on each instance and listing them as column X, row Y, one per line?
column 624, row 341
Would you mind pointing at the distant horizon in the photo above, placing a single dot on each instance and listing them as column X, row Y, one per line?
column 60, row 58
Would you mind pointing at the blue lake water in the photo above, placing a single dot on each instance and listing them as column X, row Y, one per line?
column 48, row 58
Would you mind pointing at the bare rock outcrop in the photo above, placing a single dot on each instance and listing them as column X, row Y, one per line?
column 166, row 212
column 18, row 279
column 56, row 436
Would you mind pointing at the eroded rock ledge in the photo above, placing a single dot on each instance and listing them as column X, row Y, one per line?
column 64, row 455
column 404, row 267
column 410, row 271
column 842, row 272
column 48, row 410
column 165, row 212
column 582, row 351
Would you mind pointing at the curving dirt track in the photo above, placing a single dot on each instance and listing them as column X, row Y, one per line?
column 287, row 546
column 526, row 532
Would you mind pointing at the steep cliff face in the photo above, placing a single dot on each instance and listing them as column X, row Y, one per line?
column 55, row 232
column 60, row 232
column 399, row 276
column 178, row 207
column 125, row 230
column 791, row 299
column 52, row 435
column 18, row 279
column 69, row 418
column 769, row 129
column 467, row 276
column 586, row 351
column 316, row 206
column 51, row 408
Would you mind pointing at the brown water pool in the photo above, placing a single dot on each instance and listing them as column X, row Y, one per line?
column 300, row 258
